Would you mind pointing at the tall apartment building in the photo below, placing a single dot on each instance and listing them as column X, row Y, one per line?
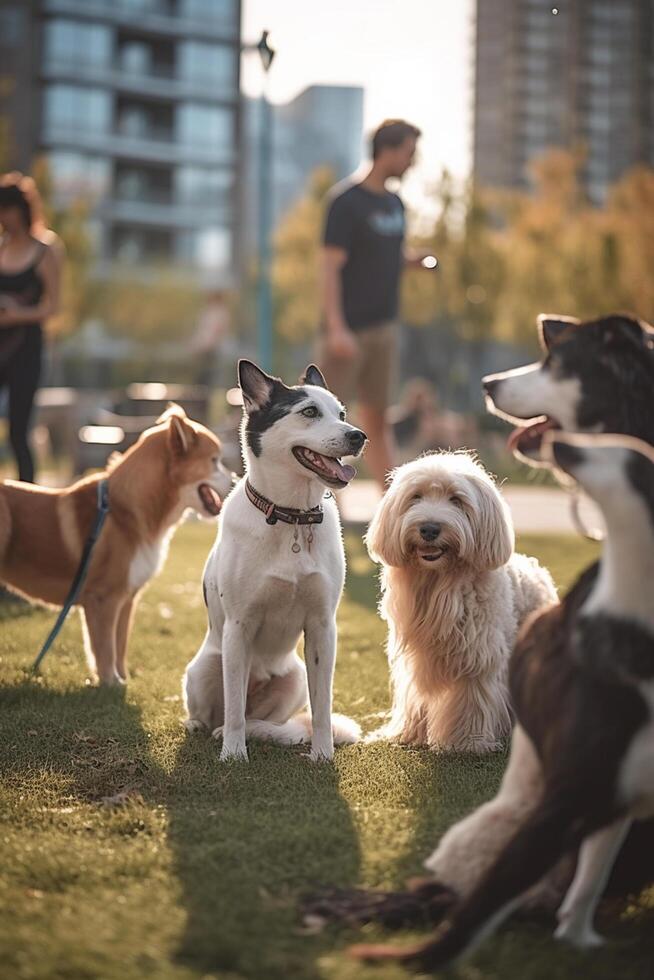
column 136, row 105
column 568, row 73
column 321, row 126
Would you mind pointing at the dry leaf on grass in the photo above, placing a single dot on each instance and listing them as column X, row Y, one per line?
column 122, row 798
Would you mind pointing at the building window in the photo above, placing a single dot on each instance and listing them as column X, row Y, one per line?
column 199, row 185
column 68, row 42
column 145, row 6
column 209, row 64
column 129, row 246
column 136, row 58
column 69, row 107
column 79, row 175
column 135, row 122
column 208, row 248
column 221, row 13
column 205, row 126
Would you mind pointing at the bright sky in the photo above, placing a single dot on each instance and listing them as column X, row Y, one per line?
column 412, row 57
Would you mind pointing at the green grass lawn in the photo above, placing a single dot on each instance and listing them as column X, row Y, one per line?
column 199, row 875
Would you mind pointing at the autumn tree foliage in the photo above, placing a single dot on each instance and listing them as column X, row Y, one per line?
column 503, row 257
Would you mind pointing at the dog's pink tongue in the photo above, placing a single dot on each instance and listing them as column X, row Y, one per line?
column 514, row 438
column 210, row 499
column 528, row 433
column 342, row 471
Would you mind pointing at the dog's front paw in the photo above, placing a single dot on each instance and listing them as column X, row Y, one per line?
column 192, row 725
column 378, row 735
column 318, row 754
column 581, row 935
column 237, row 754
column 112, row 680
column 233, row 748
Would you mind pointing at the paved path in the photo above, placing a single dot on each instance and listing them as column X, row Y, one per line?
column 535, row 509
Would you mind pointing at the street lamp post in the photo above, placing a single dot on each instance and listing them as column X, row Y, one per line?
column 264, row 203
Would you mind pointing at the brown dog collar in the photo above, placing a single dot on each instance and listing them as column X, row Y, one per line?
column 289, row 515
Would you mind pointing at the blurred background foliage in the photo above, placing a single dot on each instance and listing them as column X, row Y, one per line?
column 503, row 257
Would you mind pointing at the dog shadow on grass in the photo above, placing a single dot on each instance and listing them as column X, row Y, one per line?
column 248, row 840
column 87, row 743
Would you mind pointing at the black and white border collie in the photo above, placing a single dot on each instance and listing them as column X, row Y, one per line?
column 595, row 376
column 582, row 683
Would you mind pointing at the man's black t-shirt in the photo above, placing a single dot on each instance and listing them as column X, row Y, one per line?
column 370, row 227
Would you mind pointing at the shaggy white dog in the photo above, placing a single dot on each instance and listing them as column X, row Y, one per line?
column 454, row 594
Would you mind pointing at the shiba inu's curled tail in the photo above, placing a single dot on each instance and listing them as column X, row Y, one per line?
column 298, row 730
column 551, row 831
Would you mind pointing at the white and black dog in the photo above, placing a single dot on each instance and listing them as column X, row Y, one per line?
column 276, row 572
column 595, row 376
column 582, row 682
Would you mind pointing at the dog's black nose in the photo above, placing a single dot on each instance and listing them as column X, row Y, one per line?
column 356, row 440
column 489, row 384
column 567, row 456
column 429, row 532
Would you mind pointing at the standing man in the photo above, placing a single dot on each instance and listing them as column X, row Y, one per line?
column 362, row 258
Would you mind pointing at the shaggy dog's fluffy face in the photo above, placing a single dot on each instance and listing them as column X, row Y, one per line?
column 441, row 513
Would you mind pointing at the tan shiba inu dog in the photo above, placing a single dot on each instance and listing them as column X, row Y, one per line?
column 174, row 466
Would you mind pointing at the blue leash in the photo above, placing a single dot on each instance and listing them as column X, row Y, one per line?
column 80, row 575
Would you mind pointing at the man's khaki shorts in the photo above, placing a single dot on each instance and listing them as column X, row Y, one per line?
column 369, row 377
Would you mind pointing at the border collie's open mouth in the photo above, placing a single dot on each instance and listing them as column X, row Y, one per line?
column 430, row 555
column 209, row 499
column 527, row 439
column 330, row 469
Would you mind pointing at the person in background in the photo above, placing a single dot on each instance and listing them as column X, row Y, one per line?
column 209, row 337
column 362, row 259
column 420, row 423
column 30, row 277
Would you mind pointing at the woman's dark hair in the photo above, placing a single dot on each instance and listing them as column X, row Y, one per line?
column 392, row 133
column 19, row 191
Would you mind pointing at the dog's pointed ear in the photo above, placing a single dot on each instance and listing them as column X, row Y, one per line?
column 623, row 327
column 313, row 376
column 255, row 384
column 551, row 328
column 181, row 434
column 648, row 335
column 171, row 409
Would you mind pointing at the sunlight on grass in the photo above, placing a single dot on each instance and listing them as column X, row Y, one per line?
column 198, row 874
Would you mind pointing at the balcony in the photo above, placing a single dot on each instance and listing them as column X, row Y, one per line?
column 158, row 82
column 158, row 209
column 163, row 17
column 154, row 145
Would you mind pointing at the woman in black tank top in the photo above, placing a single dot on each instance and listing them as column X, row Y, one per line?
column 29, row 290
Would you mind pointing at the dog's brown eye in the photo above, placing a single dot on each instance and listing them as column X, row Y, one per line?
column 456, row 501
column 311, row 412
column 417, row 496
